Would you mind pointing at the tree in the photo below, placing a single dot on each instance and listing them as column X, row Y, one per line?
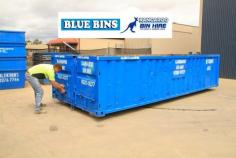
column 28, row 41
column 37, row 41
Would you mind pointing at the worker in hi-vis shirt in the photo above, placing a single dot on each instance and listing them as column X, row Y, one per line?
column 43, row 71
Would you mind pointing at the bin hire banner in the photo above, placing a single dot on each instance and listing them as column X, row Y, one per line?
column 114, row 25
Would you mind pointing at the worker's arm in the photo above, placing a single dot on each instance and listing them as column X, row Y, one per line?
column 58, row 86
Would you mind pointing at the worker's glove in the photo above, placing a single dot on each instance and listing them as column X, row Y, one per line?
column 63, row 91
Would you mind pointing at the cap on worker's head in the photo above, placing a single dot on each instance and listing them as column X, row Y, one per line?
column 57, row 66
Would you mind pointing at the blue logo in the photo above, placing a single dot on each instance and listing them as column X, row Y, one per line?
column 148, row 23
column 90, row 24
column 131, row 25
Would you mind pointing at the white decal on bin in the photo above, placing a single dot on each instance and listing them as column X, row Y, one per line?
column 87, row 64
column 87, row 70
column 60, row 56
column 129, row 58
column 208, row 68
column 9, row 77
column 63, row 76
column 87, row 67
column 60, row 61
column 5, row 50
column 89, row 83
column 209, row 63
column 180, row 61
column 83, row 57
column 179, row 67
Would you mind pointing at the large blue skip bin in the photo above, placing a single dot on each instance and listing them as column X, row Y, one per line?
column 12, row 37
column 12, row 73
column 65, row 77
column 107, row 84
column 12, row 59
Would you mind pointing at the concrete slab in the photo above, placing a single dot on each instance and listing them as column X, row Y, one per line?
column 202, row 125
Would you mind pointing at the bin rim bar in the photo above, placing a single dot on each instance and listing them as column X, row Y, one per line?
column 12, row 31
column 11, row 58
column 144, row 57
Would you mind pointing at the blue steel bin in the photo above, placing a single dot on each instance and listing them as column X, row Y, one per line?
column 65, row 77
column 108, row 84
column 12, row 73
column 12, row 37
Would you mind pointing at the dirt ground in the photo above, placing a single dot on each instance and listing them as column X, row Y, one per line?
column 202, row 125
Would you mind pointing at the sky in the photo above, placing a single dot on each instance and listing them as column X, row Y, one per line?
column 39, row 17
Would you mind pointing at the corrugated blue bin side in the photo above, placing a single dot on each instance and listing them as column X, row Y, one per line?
column 105, row 85
column 65, row 77
column 12, row 37
column 12, row 50
column 7, row 64
column 12, row 73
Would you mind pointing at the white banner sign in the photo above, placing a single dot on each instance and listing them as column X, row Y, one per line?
column 114, row 25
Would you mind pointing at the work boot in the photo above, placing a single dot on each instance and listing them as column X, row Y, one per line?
column 43, row 105
column 40, row 112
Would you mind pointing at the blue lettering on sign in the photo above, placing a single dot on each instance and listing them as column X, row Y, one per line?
column 145, row 26
column 153, row 23
column 90, row 24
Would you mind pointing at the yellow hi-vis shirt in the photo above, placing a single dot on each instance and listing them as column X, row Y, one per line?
column 42, row 71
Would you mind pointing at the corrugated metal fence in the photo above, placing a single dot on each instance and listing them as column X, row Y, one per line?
column 219, row 33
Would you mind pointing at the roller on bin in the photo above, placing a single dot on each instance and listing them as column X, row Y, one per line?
column 106, row 84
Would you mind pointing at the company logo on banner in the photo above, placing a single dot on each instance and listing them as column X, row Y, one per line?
column 114, row 25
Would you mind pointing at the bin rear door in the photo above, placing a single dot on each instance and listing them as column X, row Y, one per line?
column 86, row 86
column 67, row 80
